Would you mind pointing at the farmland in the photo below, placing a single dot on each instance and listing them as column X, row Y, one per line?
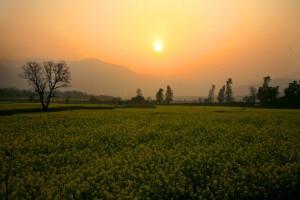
column 167, row 152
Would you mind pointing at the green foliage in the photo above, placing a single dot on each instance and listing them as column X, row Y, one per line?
column 171, row 152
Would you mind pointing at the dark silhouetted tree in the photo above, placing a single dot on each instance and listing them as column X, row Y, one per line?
column 266, row 94
column 46, row 79
column 160, row 96
column 247, row 99
column 221, row 95
column 139, row 97
column 169, row 95
column 293, row 90
column 139, row 92
column 211, row 94
column 253, row 94
column 228, row 91
column 292, row 96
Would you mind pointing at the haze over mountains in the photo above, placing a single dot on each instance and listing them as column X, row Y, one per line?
column 100, row 78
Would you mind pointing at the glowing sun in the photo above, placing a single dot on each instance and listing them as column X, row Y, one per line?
column 158, row 46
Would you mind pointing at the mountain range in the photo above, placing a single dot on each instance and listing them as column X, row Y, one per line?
column 94, row 76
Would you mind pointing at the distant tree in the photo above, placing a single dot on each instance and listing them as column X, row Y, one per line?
column 160, row 96
column 228, row 91
column 200, row 100
column 247, row 99
column 93, row 99
column 46, row 79
column 116, row 101
column 253, row 94
column 139, row 92
column 221, row 95
column 267, row 94
column 139, row 97
column 293, row 90
column 292, row 96
column 206, row 100
column 211, row 94
column 169, row 95
column 67, row 99
column 149, row 99
column 32, row 97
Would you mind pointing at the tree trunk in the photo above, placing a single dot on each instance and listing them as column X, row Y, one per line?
column 43, row 104
column 49, row 98
column 45, row 108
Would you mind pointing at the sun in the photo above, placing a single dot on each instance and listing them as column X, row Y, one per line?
column 158, row 46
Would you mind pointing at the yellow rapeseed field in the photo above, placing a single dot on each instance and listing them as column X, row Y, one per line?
column 167, row 152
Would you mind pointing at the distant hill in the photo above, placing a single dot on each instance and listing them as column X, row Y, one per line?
column 96, row 77
column 91, row 76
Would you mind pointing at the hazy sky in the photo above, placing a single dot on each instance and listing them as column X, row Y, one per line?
column 198, row 36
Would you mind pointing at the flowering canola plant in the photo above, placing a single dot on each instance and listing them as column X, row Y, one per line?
column 170, row 152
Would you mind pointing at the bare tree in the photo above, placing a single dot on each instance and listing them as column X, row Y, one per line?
column 46, row 79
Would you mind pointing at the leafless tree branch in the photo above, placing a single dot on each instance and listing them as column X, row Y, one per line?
column 51, row 74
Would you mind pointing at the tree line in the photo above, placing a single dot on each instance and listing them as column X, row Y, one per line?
column 48, row 77
column 161, row 98
column 265, row 96
column 225, row 93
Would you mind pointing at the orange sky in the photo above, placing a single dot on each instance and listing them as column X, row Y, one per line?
column 197, row 35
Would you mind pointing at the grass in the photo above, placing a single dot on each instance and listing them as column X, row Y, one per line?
column 179, row 152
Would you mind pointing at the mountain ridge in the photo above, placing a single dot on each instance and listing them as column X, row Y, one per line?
column 98, row 77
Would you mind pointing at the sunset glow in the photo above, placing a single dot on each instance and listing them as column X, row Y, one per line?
column 157, row 37
column 158, row 46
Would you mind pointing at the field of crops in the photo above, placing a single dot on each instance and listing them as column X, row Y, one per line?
column 168, row 152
